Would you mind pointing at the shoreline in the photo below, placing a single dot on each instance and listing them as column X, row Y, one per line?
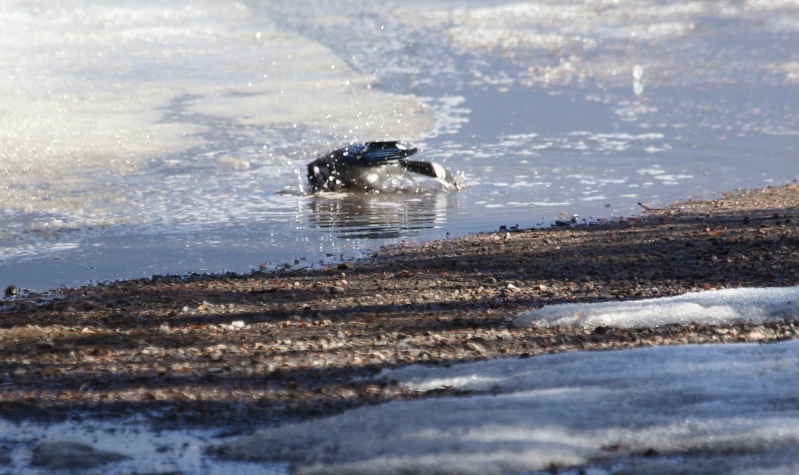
column 246, row 351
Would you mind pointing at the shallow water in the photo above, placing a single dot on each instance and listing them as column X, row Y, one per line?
column 163, row 138
column 146, row 450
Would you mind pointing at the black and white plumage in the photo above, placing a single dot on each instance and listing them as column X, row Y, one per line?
column 370, row 166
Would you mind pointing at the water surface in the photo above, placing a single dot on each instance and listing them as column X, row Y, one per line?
column 167, row 138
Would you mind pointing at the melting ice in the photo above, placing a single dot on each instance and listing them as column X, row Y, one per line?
column 722, row 408
column 710, row 307
column 712, row 408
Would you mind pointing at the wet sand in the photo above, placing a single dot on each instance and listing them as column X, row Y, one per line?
column 244, row 351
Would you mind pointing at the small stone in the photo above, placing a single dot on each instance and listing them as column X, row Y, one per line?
column 164, row 328
column 572, row 286
column 45, row 345
column 238, row 324
column 178, row 367
column 476, row 347
column 335, row 289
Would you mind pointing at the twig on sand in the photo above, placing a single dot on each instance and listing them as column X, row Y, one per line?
column 647, row 208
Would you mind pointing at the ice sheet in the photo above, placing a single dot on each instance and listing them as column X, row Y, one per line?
column 93, row 90
column 709, row 307
column 731, row 408
column 634, row 42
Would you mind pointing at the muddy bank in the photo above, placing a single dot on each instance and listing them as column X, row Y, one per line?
column 266, row 348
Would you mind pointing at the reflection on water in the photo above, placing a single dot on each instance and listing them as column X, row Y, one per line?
column 380, row 216
column 152, row 139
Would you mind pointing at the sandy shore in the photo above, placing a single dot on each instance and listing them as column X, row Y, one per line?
column 261, row 349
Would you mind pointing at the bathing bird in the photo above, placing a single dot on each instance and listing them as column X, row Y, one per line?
column 371, row 166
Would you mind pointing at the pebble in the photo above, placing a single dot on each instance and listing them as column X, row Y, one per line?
column 476, row 347
column 234, row 325
column 45, row 344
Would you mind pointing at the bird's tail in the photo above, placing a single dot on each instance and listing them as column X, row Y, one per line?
column 433, row 170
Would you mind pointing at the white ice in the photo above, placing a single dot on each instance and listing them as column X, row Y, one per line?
column 684, row 409
column 559, row 42
column 89, row 87
column 710, row 307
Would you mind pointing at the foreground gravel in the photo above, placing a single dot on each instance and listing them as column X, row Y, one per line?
column 260, row 349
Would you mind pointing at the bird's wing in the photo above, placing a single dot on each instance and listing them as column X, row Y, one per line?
column 377, row 153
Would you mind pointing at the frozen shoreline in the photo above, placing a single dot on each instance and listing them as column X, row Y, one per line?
column 155, row 139
column 232, row 353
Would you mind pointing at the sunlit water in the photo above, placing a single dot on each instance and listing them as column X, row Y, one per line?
column 141, row 138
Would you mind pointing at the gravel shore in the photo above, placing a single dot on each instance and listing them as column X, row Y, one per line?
column 261, row 349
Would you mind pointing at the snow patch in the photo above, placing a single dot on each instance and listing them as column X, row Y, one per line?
column 708, row 307
column 729, row 408
column 732, row 407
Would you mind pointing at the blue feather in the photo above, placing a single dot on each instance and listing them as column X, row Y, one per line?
column 372, row 153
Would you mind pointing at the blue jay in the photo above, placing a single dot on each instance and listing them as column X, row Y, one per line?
column 370, row 166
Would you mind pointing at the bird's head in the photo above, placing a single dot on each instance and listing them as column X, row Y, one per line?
column 319, row 176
